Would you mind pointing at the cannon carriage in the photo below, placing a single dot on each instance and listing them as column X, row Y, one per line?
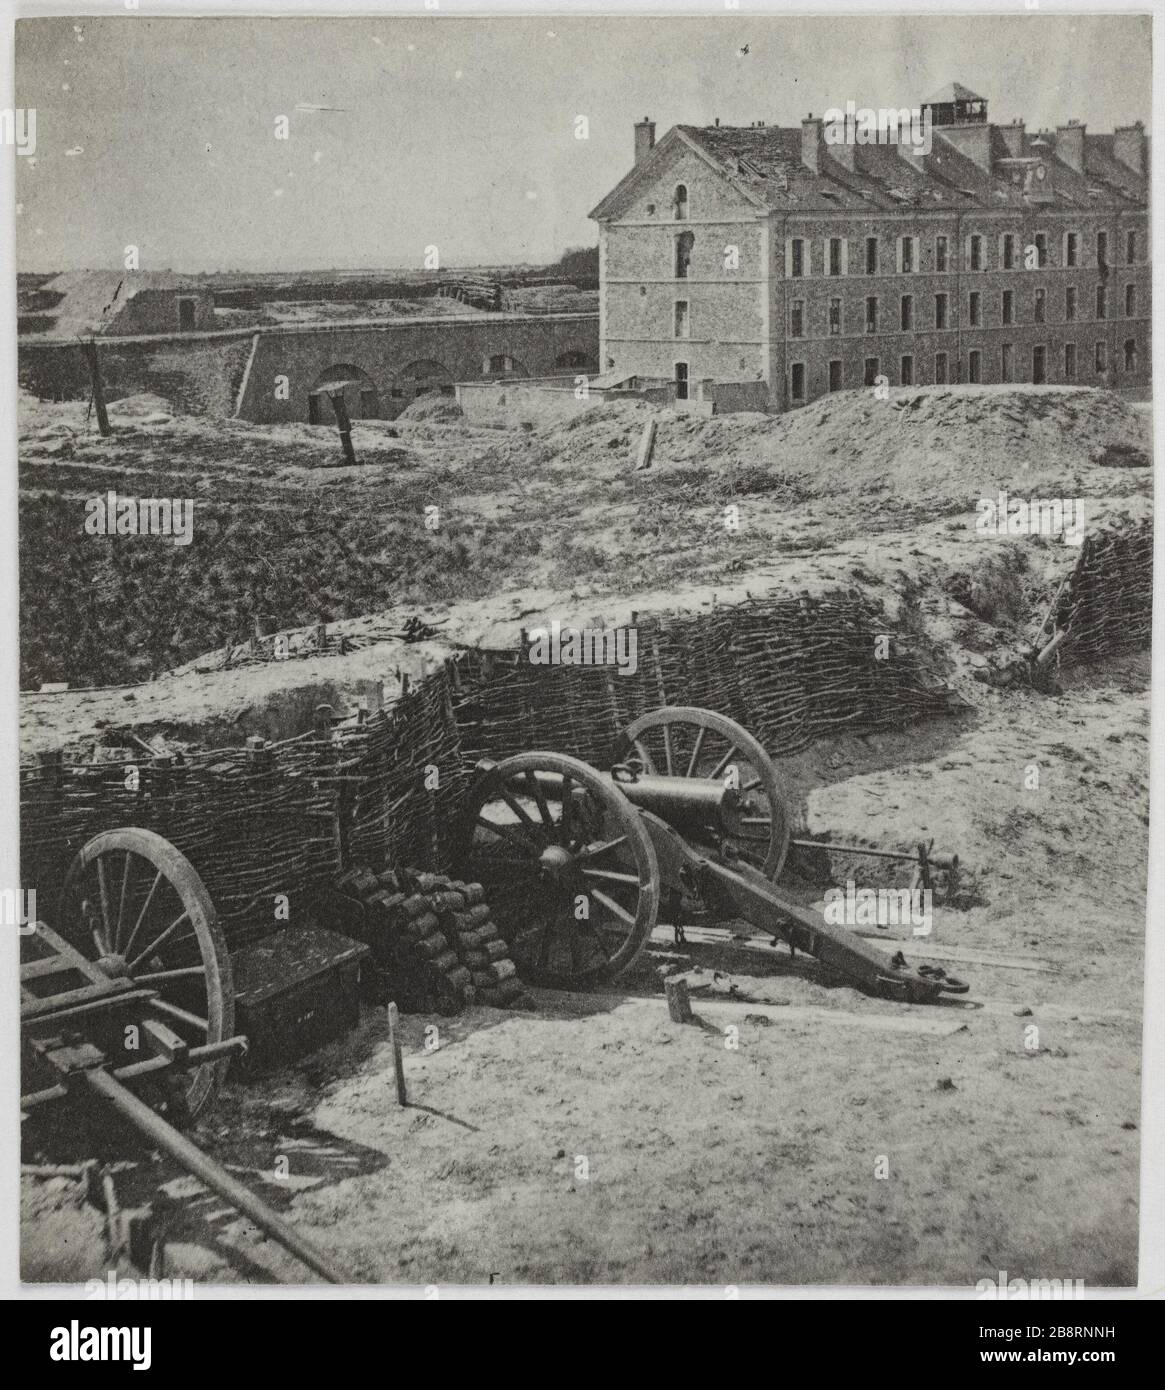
column 579, row 863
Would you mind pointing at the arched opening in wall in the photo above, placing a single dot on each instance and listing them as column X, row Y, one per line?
column 502, row 364
column 680, row 202
column 360, row 395
column 572, row 360
column 420, row 378
column 684, row 243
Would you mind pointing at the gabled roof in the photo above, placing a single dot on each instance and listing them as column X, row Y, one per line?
column 763, row 164
column 952, row 92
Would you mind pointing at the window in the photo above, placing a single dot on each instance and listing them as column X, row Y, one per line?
column 1070, row 304
column 798, row 381
column 1131, row 248
column 975, row 253
column 870, row 372
column 835, row 260
column 906, row 314
column 1130, row 301
column 1130, row 354
column 1102, row 250
column 973, row 314
column 797, row 258
column 907, row 377
column 1070, row 249
column 797, row 319
column 1006, row 359
column 680, row 202
column 501, row 362
column 975, row 366
column 1041, row 299
column 871, row 313
column 834, row 317
column 1101, row 357
column 684, row 243
column 681, row 381
column 1069, row 361
column 1102, row 301
column 940, row 311
column 906, row 255
column 682, row 318
column 871, row 255
column 1007, row 251
column 1041, row 249
column 940, row 253
column 940, row 368
column 1008, row 314
column 1039, row 370
column 835, row 375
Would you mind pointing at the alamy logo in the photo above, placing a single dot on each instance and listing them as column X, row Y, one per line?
column 588, row 646
column 862, row 125
column 1037, row 516
column 879, row 907
column 1023, row 1289
column 19, row 128
column 112, row 515
column 77, row 1343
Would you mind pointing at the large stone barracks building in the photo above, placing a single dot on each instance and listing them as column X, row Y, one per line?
column 763, row 267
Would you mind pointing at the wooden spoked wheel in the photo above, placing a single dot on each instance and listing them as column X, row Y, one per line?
column 682, row 741
column 136, row 906
column 568, row 867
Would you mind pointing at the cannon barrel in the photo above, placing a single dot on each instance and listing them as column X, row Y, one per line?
column 688, row 804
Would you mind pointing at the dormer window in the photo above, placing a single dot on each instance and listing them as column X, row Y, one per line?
column 681, row 202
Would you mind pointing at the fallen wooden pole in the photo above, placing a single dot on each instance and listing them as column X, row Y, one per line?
column 210, row 1173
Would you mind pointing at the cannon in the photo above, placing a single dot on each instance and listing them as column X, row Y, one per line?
column 578, row 863
column 140, row 956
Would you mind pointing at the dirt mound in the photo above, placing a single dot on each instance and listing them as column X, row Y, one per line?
column 939, row 444
column 432, row 407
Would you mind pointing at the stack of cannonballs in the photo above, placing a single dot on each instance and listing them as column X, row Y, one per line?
column 433, row 943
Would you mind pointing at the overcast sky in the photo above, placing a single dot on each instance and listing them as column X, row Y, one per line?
column 461, row 133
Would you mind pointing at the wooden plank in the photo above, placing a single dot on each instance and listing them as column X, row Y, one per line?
column 934, row 1023
column 929, row 949
column 925, row 948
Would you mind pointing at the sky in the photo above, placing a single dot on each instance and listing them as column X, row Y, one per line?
column 461, row 134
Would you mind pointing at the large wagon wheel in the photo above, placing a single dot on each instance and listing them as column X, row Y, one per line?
column 135, row 905
column 568, row 868
column 682, row 741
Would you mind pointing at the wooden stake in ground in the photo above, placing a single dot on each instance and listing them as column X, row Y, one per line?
column 90, row 349
column 340, row 406
column 646, row 446
column 679, row 1006
column 397, row 1060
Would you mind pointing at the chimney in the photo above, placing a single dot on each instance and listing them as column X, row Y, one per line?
column 1015, row 138
column 1070, row 145
column 1128, row 145
column 644, row 138
column 811, row 142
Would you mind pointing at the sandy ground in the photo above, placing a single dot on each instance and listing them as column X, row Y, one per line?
column 713, row 1163
column 710, row 1156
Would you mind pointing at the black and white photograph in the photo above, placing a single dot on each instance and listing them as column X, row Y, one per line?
column 584, row 600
